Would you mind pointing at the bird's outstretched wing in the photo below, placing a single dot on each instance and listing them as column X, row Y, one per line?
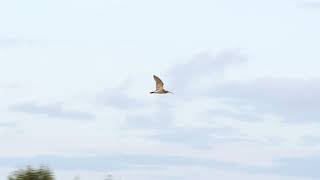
column 159, row 83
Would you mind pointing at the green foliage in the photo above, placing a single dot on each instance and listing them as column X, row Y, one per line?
column 29, row 173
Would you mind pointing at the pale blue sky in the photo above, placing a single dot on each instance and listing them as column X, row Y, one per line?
column 75, row 77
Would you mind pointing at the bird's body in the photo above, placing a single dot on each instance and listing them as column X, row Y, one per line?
column 159, row 86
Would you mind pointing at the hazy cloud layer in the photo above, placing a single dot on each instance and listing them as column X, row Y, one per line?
column 301, row 167
column 310, row 4
column 8, row 124
column 295, row 99
column 13, row 42
column 185, row 78
column 201, row 138
column 51, row 110
column 310, row 141
column 118, row 99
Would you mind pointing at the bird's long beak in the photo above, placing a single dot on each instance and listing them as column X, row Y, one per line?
column 171, row 92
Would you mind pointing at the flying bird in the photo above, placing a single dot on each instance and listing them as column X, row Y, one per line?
column 159, row 86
